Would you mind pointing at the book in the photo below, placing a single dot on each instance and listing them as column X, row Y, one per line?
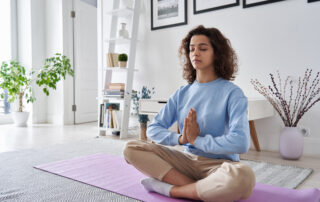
column 117, row 118
column 112, row 60
column 109, row 60
column 115, row 124
column 112, row 106
column 101, row 121
column 113, row 92
column 116, row 84
column 108, row 120
column 116, row 87
column 115, row 59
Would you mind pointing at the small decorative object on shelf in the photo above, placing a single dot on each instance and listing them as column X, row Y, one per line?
column 123, row 58
column 291, row 108
column 123, row 33
column 143, row 118
column 18, row 83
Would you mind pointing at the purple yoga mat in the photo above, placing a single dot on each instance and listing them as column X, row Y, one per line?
column 114, row 174
column 108, row 172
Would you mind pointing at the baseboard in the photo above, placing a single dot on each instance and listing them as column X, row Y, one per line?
column 311, row 146
column 55, row 119
column 271, row 143
column 39, row 118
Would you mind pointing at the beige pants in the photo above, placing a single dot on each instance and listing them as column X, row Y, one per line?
column 217, row 179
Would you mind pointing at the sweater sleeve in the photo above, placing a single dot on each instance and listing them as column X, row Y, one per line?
column 158, row 129
column 237, row 140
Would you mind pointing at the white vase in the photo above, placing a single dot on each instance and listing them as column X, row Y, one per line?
column 291, row 143
column 20, row 118
column 123, row 33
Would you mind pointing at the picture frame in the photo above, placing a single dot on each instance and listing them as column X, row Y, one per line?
column 202, row 6
column 168, row 13
column 311, row 1
column 252, row 3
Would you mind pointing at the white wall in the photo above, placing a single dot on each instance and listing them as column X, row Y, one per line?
column 54, row 40
column 280, row 36
column 38, row 47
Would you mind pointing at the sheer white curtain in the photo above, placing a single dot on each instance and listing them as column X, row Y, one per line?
column 5, row 50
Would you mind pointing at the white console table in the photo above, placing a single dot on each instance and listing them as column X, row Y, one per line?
column 257, row 109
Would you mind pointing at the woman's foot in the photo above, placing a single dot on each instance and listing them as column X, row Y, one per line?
column 155, row 185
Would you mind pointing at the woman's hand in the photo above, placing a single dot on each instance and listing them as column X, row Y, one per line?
column 193, row 130
column 183, row 138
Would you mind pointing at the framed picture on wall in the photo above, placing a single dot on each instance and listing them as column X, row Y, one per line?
column 251, row 3
column 310, row 1
column 201, row 6
column 168, row 13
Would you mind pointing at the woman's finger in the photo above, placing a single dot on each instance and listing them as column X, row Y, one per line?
column 194, row 115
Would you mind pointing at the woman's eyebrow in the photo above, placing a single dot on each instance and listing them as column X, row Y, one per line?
column 200, row 44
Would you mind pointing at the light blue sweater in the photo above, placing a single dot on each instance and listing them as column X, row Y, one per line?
column 221, row 109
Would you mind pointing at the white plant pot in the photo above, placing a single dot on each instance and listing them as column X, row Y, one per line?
column 20, row 118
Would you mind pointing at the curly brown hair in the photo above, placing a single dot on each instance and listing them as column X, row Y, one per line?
column 225, row 58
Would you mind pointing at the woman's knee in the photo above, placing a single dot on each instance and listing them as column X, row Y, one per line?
column 247, row 180
column 230, row 182
column 129, row 149
column 242, row 180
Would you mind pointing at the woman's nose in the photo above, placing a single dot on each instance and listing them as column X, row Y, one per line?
column 196, row 51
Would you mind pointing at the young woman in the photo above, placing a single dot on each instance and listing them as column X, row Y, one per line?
column 211, row 113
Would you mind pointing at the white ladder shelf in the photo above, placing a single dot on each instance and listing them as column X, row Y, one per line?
column 108, row 46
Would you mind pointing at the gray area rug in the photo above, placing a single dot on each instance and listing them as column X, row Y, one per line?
column 19, row 181
column 278, row 175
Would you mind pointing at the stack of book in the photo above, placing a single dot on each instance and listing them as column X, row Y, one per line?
column 114, row 90
column 112, row 60
column 110, row 116
column 113, row 93
column 116, row 86
column 116, row 93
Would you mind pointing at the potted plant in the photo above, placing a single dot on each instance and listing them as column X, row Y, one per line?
column 145, row 93
column 123, row 58
column 17, row 82
column 291, row 108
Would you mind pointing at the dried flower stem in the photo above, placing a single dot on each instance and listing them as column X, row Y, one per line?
column 291, row 111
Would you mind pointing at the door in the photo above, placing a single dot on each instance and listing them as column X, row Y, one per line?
column 85, row 61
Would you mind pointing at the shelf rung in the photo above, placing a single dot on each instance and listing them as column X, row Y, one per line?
column 118, row 69
column 118, row 40
column 121, row 12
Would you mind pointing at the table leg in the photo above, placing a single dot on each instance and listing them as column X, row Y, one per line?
column 254, row 137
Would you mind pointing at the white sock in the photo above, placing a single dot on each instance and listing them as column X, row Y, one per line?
column 155, row 185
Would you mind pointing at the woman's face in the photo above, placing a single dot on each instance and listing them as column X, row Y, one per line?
column 201, row 52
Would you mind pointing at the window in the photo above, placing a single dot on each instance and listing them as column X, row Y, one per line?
column 5, row 34
column 7, row 23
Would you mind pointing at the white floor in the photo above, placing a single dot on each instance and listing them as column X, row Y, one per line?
column 43, row 135
column 14, row 138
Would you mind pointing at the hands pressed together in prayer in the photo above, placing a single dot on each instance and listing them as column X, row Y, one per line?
column 191, row 128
